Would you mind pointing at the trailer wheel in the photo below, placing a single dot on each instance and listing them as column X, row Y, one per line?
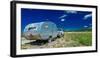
column 50, row 39
column 58, row 36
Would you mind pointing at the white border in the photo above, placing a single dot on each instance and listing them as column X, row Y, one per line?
column 51, row 50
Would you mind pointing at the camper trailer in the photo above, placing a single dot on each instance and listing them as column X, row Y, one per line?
column 41, row 31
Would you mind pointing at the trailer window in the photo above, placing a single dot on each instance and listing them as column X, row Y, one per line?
column 46, row 26
column 31, row 28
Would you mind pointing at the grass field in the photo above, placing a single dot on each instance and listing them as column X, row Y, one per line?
column 79, row 38
column 70, row 39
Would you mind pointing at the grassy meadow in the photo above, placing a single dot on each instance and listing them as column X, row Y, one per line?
column 79, row 38
column 70, row 39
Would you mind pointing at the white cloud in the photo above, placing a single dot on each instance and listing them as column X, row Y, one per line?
column 71, row 11
column 85, row 26
column 87, row 16
column 62, row 19
column 63, row 16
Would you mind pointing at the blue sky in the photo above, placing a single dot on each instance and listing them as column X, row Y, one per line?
column 65, row 19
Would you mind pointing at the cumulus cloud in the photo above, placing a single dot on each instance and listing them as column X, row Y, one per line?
column 87, row 16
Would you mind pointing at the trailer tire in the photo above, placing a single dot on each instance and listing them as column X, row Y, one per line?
column 58, row 36
column 50, row 39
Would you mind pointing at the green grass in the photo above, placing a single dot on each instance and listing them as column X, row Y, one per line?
column 81, row 38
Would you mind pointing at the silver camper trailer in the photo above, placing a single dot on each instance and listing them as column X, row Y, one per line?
column 41, row 31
